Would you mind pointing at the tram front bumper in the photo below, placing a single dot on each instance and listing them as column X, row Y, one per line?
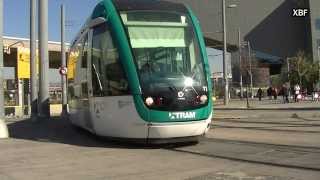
column 176, row 130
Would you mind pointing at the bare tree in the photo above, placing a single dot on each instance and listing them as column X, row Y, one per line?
column 301, row 65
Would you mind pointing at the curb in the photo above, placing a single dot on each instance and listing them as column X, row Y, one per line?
column 228, row 117
column 3, row 130
column 257, row 108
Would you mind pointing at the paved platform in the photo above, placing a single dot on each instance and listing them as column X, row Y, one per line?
column 267, row 104
column 258, row 149
column 244, row 114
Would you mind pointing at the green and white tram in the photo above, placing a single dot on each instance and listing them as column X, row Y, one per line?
column 138, row 69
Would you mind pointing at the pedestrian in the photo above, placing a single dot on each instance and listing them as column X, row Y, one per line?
column 275, row 93
column 281, row 91
column 304, row 93
column 259, row 94
column 285, row 94
column 296, row 92
column 316, row 96
column 269, row 92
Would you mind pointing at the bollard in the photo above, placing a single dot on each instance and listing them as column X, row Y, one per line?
column 3, row 130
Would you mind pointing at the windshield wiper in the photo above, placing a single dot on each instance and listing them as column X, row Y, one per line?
column 98, row 77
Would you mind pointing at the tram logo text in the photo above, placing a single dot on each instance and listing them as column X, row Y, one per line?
column 182, row 115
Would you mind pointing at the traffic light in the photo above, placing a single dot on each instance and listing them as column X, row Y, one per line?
column 26, row 86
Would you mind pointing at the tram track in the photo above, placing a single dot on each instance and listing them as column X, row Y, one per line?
column 308, row 149
column 249, row 161
column 293, row 122
column 206, row 148
column 270, row 128
column 283, row 125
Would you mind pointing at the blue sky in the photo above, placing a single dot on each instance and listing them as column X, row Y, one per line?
column 16, row 17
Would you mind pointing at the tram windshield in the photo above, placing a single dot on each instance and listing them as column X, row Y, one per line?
column 166, row 51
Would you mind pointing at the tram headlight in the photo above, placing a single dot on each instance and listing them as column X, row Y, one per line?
column 188, row 82
column 203, row 99
column 149, row 101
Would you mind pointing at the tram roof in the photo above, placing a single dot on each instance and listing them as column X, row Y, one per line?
column 161, row 5
column 128, row 5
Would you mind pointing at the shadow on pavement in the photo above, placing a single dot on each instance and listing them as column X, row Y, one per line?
column 56, row 130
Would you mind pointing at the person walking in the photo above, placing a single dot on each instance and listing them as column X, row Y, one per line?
column 259, row 94
column 269, row 92
column 285, row 94
column 275, row 93
column 296, row 92
column 316, row 95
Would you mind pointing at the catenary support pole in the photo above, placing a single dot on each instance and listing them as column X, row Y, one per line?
column 240, row 63
column 33, row 63
column 250, row 64
column 318, row 88
column 1, row 62
column 225, row 72
column 3, row 127
column 289, row 84
column 64, row 112
column 44, row 106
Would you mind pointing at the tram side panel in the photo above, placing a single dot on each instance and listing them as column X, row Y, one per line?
column 117, row 117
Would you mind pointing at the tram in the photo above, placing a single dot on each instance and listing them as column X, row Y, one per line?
column 138, row 70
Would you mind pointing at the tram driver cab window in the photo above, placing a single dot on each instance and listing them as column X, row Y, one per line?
column 108, row 76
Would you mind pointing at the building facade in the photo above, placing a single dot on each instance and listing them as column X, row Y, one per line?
column 269, row 26
column 17, row 74
column 314, row 6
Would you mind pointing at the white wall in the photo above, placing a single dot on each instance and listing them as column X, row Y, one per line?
column 215, row 58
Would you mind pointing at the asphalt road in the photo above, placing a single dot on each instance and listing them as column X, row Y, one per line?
column 255, row 145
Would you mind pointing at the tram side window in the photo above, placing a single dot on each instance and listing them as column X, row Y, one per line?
column 84, row 81
column 80, row 75
column 108, row 76
column 72, row 74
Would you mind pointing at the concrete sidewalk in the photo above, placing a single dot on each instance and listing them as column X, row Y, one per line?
column 53, row 149
column 266, row 104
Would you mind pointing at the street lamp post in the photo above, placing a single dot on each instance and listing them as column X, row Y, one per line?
column 43, row 102
column 240, row 64
column 247, row 43
column 288, row 69
column 33, row 61
column 250, row 64
column 3, row 126
column 1, row 62
column 247, row 97
column 319, row 68
column 225, row 76
column 225, row 69
column 64, row 112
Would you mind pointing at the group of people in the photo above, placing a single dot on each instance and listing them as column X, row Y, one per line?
column 284, row 91
column 274, row 92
